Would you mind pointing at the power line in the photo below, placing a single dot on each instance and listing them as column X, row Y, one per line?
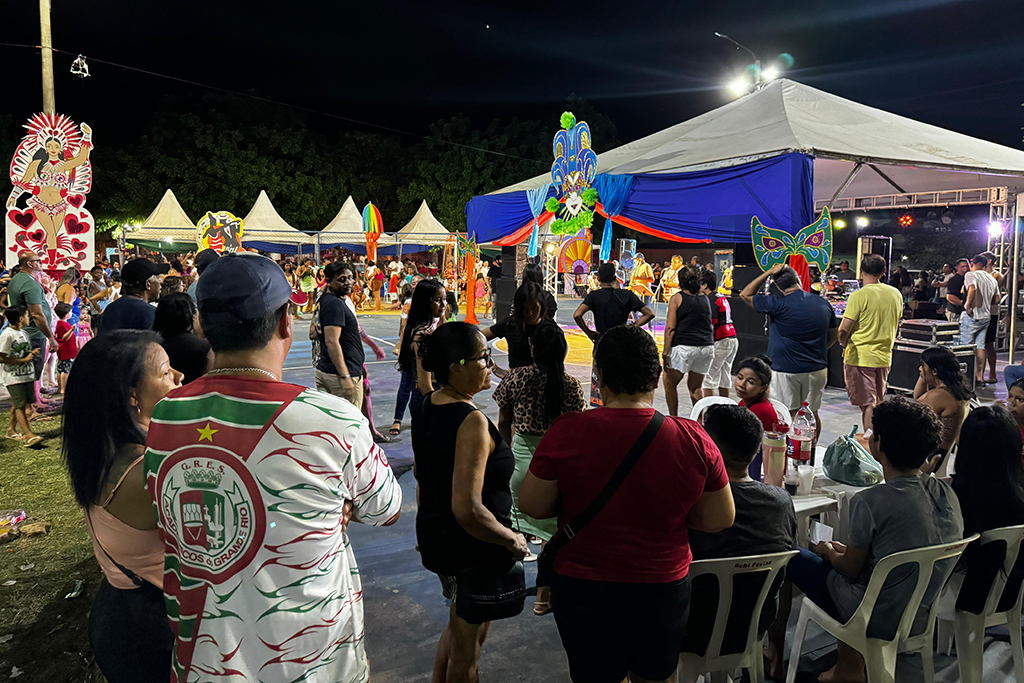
column 281, row 104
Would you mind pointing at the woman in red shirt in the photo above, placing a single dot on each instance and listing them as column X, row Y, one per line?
column 629, row 566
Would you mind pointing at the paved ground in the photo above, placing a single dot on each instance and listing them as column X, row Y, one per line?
column 405, row 611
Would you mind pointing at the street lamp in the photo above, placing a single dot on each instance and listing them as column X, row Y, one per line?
column 757, row 62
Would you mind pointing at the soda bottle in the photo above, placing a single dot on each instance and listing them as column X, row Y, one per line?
column 800, row 440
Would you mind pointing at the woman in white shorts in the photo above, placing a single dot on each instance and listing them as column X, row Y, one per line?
column 726, row 344
column 689, row 340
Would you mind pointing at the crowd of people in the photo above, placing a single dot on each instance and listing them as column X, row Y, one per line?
column 246, row 568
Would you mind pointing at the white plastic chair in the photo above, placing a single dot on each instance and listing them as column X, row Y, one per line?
column 880, row 655
column 752, row 657
column 703, row 404
column 970, row 628
column 781, row 411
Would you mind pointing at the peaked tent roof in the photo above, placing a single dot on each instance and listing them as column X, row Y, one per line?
column 785, row 116
column 424, row 229
column 264, row 224
column 168, row 220
column 347, row 229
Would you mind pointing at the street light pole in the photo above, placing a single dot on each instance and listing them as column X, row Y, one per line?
column 757, row 62
column 46, row 44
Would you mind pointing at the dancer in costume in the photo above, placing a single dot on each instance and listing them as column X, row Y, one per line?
column 641, row 280
column 52, row 163
column 670, row 278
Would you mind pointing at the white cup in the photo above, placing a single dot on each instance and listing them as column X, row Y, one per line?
column 805, row 479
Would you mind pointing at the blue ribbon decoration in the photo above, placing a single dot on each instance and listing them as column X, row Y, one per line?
column 536, row 199
column 614, row 191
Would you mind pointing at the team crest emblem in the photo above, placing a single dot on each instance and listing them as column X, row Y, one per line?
column 212, row 510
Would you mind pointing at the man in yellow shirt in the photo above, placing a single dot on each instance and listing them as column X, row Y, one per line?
column 867, row 333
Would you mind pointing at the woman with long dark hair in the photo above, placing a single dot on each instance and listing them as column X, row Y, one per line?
column 942, row 387
column 426, row 312
column 530, row 399
column 175, row 320
column 989, row 482
column 532, row 272
column 113, row 386
column 529, row 309
column 462, row 467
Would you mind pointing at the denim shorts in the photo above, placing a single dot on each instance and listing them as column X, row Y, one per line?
column 972, row 332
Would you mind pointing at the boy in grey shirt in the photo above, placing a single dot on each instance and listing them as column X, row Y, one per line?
column 910, row 510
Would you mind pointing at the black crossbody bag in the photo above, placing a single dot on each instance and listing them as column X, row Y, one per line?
column 546, row 561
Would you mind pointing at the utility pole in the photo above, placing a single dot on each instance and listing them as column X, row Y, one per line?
column 46, row 43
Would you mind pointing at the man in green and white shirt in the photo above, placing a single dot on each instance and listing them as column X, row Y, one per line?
column 254, row 481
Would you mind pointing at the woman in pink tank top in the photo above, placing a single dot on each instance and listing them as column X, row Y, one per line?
column 111, row 390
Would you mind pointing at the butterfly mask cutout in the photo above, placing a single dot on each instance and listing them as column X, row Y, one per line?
column 773, row 246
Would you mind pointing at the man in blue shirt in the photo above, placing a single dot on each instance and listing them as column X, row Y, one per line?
column 802, row 327
column 140, row 285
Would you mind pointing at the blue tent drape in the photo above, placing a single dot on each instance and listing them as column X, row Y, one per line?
column 714, row 205
column 613, row 191
column 278, row 248
column 536, row 199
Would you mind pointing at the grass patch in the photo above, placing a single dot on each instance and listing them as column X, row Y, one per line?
column 51, row 634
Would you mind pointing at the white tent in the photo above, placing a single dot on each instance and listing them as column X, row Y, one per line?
column 423, row 230
column 263, row 224
column 898, row 155
column 167, row 223
column 346, row 229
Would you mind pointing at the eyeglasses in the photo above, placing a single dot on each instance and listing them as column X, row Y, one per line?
column 486, row 358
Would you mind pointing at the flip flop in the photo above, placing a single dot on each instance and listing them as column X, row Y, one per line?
column 40, row 417
column 380, row 438
column 542, row 607
column 15, row 437
column 33, row 441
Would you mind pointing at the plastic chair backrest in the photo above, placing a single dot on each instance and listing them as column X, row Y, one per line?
column 1012, row 536
column 781, row 411
column 724, row 570
column 703, row 404
column 925, row 558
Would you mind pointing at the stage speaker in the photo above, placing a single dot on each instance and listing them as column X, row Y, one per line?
column 743, row 275
column 749, row 326
column 505, row 290
column 875, row 244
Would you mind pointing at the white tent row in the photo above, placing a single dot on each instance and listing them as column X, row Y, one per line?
column 899, row 155
column 263, row 226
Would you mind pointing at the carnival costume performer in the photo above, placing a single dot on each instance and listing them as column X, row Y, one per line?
column 42, row 167
column 642, row 278
column 670, row 278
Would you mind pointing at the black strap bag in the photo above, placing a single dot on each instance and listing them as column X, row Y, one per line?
column 546, row 561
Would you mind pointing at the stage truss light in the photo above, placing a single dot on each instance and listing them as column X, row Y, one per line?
column 906, row 220
column 995, row 229
column 839, row 224
column 862, row 222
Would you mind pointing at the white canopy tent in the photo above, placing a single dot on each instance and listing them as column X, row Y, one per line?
column 423, row 231
column 893, row 155
column 168, row 223
column 346, row 230
column 263, row 228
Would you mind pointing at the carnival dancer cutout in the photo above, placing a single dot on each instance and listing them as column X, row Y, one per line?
column 52, row 165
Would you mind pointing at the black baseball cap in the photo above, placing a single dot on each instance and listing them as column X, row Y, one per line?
column 239, row 287
column 204, row 259
column 137, row 271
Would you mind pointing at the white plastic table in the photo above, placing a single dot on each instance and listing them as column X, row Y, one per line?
column 808, row 506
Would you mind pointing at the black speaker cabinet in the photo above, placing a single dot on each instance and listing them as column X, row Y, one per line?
column 506, row 285
column 749, row 326
column 743, row 276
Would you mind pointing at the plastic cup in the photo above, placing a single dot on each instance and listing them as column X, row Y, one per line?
column 805, row 479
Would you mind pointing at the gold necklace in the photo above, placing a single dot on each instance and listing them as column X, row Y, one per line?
column 268, row 373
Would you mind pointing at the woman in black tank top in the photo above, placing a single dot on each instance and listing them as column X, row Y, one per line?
column 463, row 468
column 689, row 340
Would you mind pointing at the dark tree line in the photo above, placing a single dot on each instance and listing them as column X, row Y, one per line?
column 217, row 152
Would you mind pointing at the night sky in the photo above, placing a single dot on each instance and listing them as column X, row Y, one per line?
column 952, row 63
